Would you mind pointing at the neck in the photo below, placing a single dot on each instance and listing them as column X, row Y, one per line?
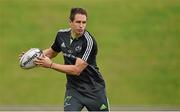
column 74, row 35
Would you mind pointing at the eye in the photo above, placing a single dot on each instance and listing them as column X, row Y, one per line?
column 78, row 21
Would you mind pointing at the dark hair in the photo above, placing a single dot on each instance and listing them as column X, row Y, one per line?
column 75, row 11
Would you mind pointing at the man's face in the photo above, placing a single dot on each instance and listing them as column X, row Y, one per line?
column 79, row 24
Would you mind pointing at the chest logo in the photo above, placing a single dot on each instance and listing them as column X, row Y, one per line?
column 78, row 48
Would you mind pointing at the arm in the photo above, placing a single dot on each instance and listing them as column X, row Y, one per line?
column 76, row 69
column 50, row 53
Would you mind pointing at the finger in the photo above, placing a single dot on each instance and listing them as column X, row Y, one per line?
column 38, row 63
column 39, row 58
column 43, row 56
column 36, row 60
column 20, row 55
column 20, row 58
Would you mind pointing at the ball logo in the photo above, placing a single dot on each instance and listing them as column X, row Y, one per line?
column 26, row 62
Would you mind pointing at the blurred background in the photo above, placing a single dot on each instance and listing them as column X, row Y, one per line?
column 138, row 42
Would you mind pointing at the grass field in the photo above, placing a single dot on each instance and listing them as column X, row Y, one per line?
column 138, row 42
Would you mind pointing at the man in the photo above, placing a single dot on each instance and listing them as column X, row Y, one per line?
column 85, row 85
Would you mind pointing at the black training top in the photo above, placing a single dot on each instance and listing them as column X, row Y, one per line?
column 84, row 47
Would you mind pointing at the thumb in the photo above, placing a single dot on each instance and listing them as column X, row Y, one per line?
column 43, row 56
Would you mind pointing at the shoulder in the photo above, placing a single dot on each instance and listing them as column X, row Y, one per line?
column 89, row 38
column 64, row 30
column 90, row 46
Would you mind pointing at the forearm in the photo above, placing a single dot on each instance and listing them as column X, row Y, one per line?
column 49, row 53
column 68, row 69
column 75, row 69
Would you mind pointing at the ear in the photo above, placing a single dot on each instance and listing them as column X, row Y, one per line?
column 69, row 21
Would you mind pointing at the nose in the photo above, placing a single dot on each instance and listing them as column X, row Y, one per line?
column 81, row 25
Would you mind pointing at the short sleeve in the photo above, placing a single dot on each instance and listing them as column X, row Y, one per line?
column 56, row 46
column 89, row 50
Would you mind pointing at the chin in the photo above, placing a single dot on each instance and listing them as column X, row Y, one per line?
column 80, row 33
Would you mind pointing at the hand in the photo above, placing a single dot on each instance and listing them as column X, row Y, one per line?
column 21, row 55
column 43, row 61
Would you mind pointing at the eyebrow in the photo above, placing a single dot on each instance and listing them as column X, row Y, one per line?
column 81, row 21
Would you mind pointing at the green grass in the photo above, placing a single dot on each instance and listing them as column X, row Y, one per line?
column 138, row 50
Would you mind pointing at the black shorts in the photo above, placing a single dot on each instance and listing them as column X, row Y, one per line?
column 75, row 101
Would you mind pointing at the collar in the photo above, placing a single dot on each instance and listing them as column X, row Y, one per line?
column 76, row 38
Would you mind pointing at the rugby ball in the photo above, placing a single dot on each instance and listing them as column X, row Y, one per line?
column 27, row 60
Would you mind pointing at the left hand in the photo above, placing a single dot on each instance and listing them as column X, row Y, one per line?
column 43, row 61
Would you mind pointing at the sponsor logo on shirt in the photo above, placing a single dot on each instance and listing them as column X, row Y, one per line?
column 70, row 51
column 69, row 55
